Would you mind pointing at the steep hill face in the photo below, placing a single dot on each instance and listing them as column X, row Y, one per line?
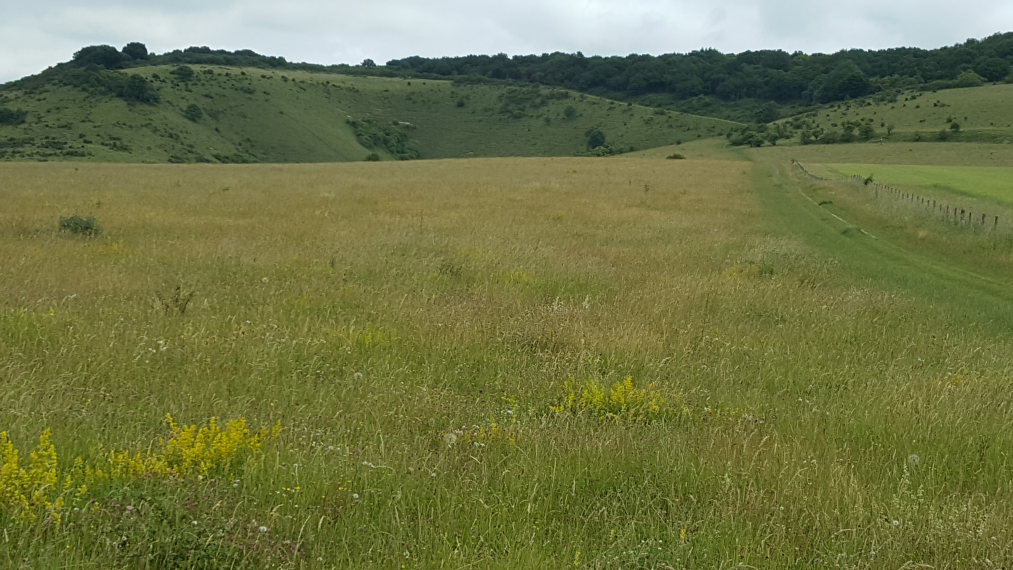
column 228, row 114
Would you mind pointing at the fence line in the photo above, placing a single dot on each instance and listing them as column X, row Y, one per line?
column 947, row 213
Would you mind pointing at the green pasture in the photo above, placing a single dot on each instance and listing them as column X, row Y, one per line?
column 889, row 153
column 991, row 182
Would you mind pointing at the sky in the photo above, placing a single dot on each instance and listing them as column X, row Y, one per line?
column 36, row 35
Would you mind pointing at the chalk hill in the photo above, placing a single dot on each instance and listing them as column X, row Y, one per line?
column 208, row 113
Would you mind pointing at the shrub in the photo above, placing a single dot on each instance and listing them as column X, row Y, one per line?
column 372, row 157
column 676, row 156
column 81, row 225
column 182, row 73
column 12, row 116
column 394, row 137
column 193, row 112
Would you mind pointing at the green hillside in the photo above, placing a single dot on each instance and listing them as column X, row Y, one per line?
column 978, row 114
column 229, row 114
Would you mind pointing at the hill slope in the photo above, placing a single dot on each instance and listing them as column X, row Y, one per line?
column 978, row 114
column 223, row 114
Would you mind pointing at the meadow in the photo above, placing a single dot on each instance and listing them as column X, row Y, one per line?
column 491, row 363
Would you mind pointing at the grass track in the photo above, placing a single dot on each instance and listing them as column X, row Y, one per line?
column 880, row 253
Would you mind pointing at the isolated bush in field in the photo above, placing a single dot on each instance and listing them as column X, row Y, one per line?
column 193, row 112
column 81, row 225
column 676, row 156
column 372, row 157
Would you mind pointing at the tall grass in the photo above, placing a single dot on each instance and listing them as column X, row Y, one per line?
column 417, row 327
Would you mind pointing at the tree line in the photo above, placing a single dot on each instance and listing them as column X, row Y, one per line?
column 768, row 75
column 699, row 76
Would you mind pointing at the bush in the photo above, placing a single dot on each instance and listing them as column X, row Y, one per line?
column 12, row 116
column 130, row 88
column 182, row 73
column 676, row 156
column 595, row 138
column 394, row 137
column 193, row 113
column 81, row 225
column 372, row 157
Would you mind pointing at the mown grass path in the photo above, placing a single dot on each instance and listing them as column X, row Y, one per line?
column 877, row 250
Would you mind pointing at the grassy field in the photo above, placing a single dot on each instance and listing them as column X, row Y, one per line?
column 254, row 115
column 446, row 346
column 978, row 181
column 914, row 153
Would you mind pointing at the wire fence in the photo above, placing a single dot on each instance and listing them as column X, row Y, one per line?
column 953, row 214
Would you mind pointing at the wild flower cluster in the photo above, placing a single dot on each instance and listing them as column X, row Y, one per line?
column 190, row 450
column 30, row 490
column 34, row 491
column 621, row 401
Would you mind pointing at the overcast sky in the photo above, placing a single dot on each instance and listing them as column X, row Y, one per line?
column 38, row 34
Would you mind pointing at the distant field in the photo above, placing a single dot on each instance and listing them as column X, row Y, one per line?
column 488, row 363
column 710, row 148
column 916, row 153
column 995, row 182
